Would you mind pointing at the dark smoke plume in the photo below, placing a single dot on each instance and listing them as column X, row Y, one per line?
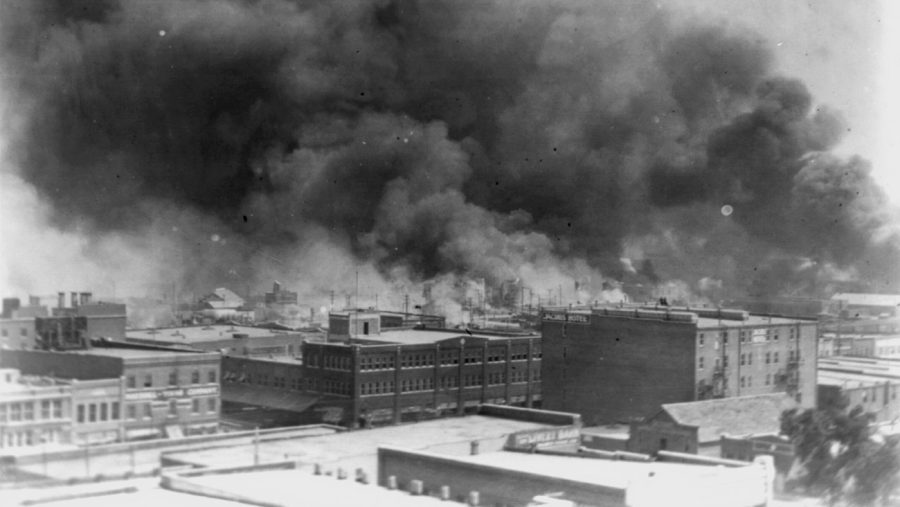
column 547, row 142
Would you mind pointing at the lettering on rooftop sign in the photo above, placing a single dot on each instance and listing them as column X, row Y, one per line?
column 543, row 437
column 166, row 394
column 571, row 318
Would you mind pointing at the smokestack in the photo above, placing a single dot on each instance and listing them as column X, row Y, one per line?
column 74, row 299
column 85, row 298
column 61, row 300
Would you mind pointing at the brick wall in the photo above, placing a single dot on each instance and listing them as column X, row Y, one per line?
column 617, row 369
column 62, row 364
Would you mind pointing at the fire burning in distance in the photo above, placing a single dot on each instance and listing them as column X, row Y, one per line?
column 563, row 144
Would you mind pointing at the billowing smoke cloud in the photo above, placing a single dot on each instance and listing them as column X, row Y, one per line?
column 560, row 144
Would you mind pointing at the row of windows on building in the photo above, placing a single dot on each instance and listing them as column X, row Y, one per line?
column 97, row 412
column 312, row 384
column 772, row 334
column 888, row 351
column 29, row 437
column 770, row 379
column 44, row 410
column 4, row 332
column 446, row 382
column 425, row 359
column 747, row 359
column 137, row 411
column 147, row 379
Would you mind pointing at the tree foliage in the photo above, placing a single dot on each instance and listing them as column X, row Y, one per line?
column 842, row 459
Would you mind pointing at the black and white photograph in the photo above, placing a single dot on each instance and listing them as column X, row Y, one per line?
column 496, row 253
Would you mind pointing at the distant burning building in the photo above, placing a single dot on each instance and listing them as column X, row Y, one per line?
column 278, row 296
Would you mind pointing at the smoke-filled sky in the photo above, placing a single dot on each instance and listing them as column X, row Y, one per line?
column 177, row 146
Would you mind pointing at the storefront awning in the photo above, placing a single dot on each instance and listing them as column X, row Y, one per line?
column 267, row 397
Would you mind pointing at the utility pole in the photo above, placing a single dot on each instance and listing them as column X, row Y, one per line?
column 256, row 446
column 483, row 310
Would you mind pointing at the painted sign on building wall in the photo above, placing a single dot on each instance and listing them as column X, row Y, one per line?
column 569, row 318
column 177, row 392
column 543, row 437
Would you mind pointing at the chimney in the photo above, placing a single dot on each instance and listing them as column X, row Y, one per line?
column 10, row 305
column 61, row 300
column 85, row 298
column 74, row 300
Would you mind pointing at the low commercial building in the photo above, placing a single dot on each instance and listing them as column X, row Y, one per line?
column 749, row 447
column 619, row 364
column 165, row 393
column 698, row 427
column 489, row 429
column 97, row 416
column 516, row 478
column 885, row 346
column 34, row 411
column 869, row 383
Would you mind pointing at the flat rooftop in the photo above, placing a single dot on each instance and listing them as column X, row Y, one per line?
column 419, row 336
column 199, row 334
column 702, row 322
column 109, row 494
column 850, row 380
column 873, row 367
column 126, row 353
column 609, row 473
column 752, row 321
column 359, row 449
column 28, row 383
column 857, row 336
column 306, row 489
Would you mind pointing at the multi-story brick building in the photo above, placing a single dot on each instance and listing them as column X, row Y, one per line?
column 164, row 393
column 17, row 323
column 34, row 411
column 365, row 375
column 102, row 319
column 622, row 363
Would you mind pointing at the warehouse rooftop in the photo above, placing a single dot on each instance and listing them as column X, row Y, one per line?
column 420, row 336
column 198, row 334
column 359, row 449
